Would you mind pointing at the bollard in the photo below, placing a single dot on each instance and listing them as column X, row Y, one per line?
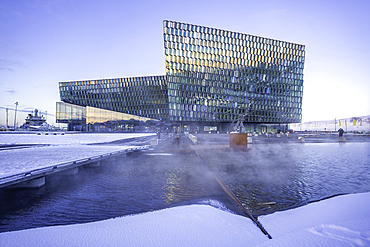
column 249, row 139
column 301, row 139
column 193, row 138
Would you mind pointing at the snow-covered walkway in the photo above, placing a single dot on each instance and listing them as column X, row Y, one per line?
column 66, row 139
column 64, row 148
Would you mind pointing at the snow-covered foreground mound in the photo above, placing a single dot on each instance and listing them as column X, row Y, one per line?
column 339, row 221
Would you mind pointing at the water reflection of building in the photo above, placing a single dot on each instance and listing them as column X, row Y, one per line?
column 86, row 118
column 212, row 77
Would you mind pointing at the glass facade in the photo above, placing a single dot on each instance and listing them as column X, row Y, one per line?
column 216, row 75
column 212, row 76
column 89, row 118
column 141, row 96
column 66, row 112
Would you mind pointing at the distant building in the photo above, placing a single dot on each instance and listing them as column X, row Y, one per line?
column 212, row 77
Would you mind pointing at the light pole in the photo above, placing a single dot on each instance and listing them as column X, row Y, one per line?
column 15, row 114
column 7, row 115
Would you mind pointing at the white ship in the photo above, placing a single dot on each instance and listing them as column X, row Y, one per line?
column 35, row 122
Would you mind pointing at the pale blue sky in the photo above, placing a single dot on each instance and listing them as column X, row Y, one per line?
column 44, row 42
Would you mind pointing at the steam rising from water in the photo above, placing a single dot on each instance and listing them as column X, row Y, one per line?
column 289, row 175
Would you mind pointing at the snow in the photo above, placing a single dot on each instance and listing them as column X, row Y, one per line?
column 338, row 221
column 24, row 160
column 66, row 139
column 65, row 148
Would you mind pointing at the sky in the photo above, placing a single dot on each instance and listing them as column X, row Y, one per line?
column 46, row 42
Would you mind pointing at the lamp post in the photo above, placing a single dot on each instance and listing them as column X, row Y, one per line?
column 15, row 114
column 7, row 116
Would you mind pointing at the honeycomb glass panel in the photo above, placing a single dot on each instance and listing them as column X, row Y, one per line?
column 211, row 75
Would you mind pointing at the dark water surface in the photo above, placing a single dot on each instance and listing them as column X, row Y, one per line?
column 265, row 178
column 273, row 177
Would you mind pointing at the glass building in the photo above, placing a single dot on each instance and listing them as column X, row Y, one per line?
column 142, row 96
column 217, row 75
column 212, row 77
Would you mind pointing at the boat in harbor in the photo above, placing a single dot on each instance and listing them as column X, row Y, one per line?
column 35, row 122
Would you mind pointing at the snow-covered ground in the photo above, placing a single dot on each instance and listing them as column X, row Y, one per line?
column 67, row 139
column 339, row 221
column 28, row 159
column 64, row 148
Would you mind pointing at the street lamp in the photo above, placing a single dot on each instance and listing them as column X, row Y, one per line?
column 15, row 114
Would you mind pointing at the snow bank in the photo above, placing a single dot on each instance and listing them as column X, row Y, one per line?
column 339, row 221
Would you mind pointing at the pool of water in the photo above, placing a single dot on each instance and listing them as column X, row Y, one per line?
column 265, row 178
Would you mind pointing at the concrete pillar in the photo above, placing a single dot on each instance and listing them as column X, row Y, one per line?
column 154, row 142
column 72, row 171
column 33, row 183
column 94, row 164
